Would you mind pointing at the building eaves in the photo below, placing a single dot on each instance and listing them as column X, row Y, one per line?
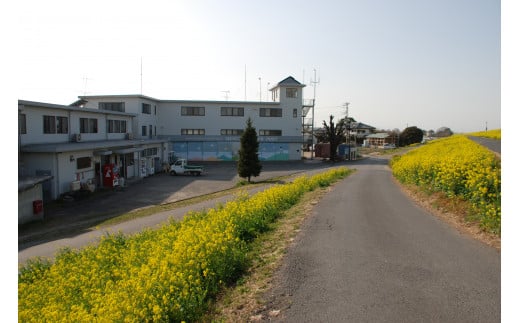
column 118, row 96
column 27, row 182
column 378, row 135
column 71, row 108
column 87, row 145
column 223, row 103
column 133, row 96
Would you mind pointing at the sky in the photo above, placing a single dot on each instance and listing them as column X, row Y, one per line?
column 400, row 63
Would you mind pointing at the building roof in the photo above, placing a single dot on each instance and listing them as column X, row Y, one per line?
column 289, row 81
column 360, row 125
column 71, row 108
column 83, row 99
column 27, row 182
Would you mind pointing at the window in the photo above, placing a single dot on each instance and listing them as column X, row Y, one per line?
column 112, row 106
column 87, row 125
column 270, row 132
column 231, row 132
column 291, row 93
column 193, row 131
column 62, row 125
column 295, row 113
column 143, row 131
column 232, row 112
column 270, row 112
column 49, row 124
column 83, row 162
column 116, row 126
column 193, row 111
column 22, row 124
column 92, row 126
column 149, row 152
column 147, row 108
column 52, row 124
column 275, row 95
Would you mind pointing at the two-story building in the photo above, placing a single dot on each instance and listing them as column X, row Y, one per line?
column 136, row 134
column 74, row 144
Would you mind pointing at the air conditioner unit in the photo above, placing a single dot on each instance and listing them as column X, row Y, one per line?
column 76, row 137
column 129, row 136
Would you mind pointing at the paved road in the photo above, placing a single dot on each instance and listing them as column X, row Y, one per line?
column 369, row 254
column 491, row 144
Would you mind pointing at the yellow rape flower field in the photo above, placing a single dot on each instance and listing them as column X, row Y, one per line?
column 460, row 168
column 165, row 275
column 492, row 134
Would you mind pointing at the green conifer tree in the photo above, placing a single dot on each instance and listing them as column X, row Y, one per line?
column 248, row 162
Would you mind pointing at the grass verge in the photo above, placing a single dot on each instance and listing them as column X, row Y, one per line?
column 243, row 301
column 454, row 211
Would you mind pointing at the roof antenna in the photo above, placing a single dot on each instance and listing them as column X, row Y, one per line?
column 226, row 94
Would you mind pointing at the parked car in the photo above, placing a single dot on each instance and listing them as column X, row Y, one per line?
column 180, row 166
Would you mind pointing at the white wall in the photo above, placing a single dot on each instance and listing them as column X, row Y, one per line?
column 170, row 120
column 33, row 162
column 34, row 126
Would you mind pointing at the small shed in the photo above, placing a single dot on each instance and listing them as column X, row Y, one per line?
column 30, row 198
column 322, row 150
column 379, row 139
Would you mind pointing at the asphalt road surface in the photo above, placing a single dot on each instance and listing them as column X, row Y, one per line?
column 492, row 144
column 369, row 254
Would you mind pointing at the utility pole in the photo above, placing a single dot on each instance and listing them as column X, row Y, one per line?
column 313, row 105
column 347, row 126
column 260, row 81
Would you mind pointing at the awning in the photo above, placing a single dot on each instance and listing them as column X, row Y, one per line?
column 102, row 152
column 127, row 150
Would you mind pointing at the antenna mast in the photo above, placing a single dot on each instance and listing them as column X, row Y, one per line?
column 226, row 94
column 141, row 75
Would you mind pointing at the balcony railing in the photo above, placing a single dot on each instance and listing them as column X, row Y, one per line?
column 308, row 102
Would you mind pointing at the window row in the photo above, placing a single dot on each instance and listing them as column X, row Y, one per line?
column 149, row 152
column 60, row 125
column 112, row 106
column 230, row 132
column 54, row 124
column 234, row 112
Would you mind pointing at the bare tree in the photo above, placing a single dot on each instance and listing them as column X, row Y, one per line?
column 334, row 134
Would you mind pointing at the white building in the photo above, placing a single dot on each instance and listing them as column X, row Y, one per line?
column 139, row 133
column 73, row 145
column 210, row 130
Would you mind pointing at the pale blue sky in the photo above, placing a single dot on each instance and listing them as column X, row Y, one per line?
column 425, row 63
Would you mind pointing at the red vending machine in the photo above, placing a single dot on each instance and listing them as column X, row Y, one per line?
column 110, row 175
